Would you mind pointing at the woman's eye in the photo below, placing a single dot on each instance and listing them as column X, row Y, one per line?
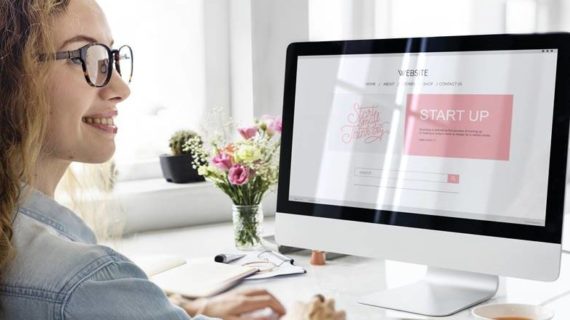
column 76, row 60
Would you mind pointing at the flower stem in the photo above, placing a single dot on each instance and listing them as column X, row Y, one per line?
column 246, row 226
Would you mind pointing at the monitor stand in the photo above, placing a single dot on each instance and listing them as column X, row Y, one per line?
column 441, row 293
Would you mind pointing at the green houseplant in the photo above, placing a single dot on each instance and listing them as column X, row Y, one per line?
column 177, row 167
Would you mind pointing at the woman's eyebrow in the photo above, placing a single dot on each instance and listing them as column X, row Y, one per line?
column 78, row 38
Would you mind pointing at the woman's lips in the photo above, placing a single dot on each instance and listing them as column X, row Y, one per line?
column 105, row 124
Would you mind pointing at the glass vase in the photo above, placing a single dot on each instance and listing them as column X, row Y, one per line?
column 248, row 226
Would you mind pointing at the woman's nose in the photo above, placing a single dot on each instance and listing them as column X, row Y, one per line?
column 117, row 88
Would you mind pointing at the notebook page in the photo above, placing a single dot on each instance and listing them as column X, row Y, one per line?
column 155, row 264
column 201, row 279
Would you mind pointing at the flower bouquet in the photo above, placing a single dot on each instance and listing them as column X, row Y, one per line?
column 244, row 169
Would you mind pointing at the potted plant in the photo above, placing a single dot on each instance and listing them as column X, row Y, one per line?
column 178, row 167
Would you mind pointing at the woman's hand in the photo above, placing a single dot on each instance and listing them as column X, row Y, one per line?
column 232, row 305
column 318, row 308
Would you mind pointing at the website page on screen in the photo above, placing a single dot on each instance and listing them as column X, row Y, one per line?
column 455, row 134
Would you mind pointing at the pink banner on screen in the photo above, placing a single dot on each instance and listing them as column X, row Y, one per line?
column 476, row 126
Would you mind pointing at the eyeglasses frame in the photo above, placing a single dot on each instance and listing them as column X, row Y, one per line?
column 81, row 55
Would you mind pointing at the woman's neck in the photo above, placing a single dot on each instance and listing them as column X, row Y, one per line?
column 48, row 173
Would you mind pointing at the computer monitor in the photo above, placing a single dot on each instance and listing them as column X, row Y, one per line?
column 445, row 151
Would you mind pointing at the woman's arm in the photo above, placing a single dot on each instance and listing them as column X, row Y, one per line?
column 232, row 304
column 118, row 290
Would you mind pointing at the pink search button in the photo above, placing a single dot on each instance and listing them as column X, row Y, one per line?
column 452, row 178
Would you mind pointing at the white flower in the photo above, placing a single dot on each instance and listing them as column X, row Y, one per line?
column 247, row 154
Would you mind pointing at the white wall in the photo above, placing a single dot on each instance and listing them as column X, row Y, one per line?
column 156, row 204
column 241, row 63
column 553, row 15
column 217, row 45
column 276, row 23
column 260, row 32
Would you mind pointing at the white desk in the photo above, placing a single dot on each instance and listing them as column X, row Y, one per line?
column 345, row 279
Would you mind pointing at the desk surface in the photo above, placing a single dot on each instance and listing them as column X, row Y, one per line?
column 344, row 279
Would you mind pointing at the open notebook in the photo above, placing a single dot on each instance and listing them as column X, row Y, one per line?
column 192, row 279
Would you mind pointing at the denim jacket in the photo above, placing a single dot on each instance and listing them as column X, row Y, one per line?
column 60, row 273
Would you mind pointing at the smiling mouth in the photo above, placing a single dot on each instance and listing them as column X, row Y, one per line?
column 103, row 124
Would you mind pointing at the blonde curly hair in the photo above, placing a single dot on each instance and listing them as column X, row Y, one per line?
column 24, row 108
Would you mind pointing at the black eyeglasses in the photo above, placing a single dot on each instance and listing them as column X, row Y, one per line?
column 95, row 58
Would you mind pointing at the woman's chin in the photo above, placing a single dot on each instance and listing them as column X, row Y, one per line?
column 102, row 155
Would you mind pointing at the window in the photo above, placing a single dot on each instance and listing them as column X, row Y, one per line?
column 347, row 19
column 171, row 40
column 195, row 55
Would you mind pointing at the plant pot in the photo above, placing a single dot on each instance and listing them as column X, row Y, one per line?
column 178, row 169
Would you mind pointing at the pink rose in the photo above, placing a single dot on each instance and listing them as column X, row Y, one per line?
column 273, row 124
column 248, row 132
column 223, row 161
column 276, row 125
column 238, row 175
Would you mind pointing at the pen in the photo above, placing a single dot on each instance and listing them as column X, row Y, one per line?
column 227, row 257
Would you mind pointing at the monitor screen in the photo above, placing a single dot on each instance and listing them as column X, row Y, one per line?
column 468, row 135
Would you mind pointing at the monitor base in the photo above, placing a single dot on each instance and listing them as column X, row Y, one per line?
column 441, row 293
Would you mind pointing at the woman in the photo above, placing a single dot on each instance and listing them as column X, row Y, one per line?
column 58, row 99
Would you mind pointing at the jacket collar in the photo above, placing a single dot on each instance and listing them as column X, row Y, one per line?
column 46, row 210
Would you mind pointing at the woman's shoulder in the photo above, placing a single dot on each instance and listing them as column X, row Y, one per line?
column 47, row 260
column 52, row 274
